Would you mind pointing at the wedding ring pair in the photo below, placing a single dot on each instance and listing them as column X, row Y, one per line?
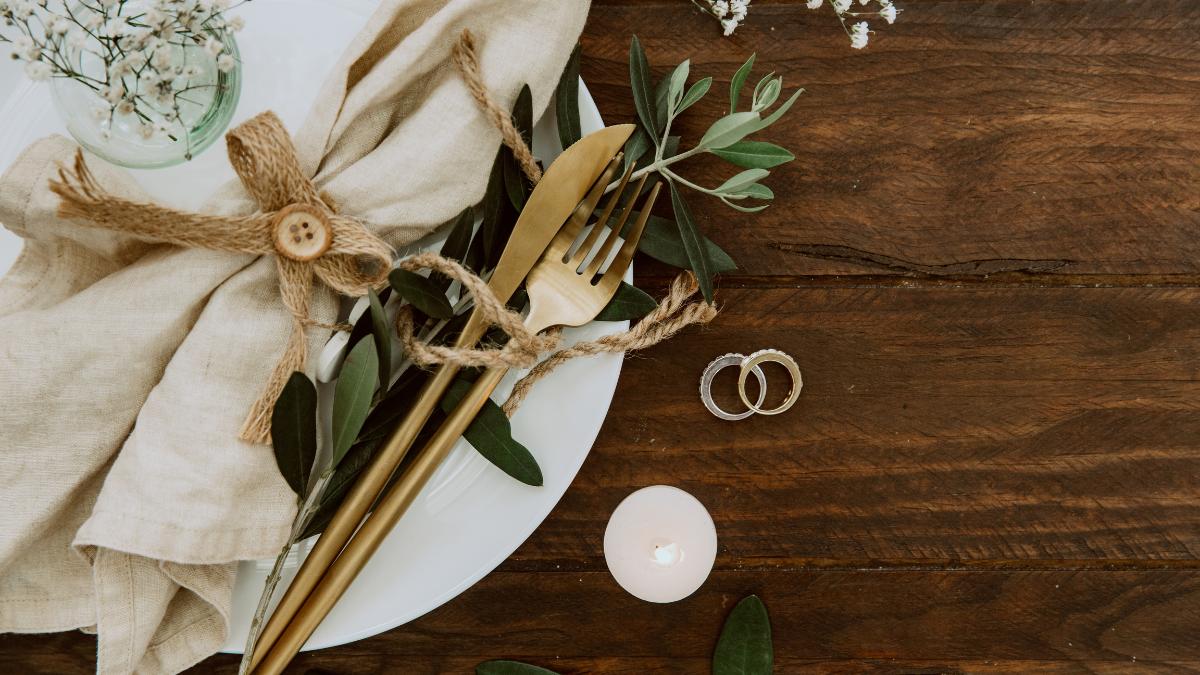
column 750, row 365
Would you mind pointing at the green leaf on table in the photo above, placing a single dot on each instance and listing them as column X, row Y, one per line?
column 514, row 181
column 661, row 240
column 493, row 205
column 697, row 253
column 459, row 239
column 695, row 93
column 744, row 647
column 678, row 81
column 730, row 129
column 491, row 435
column 741, row 180
column 743, row 209
column 739, row 81
column 510, row 668
column 628, row 304
column 352, row 396
column 755, row 191
column 767, row 92
column 456, row 246
column 636, row 146
column 343, row 478
column 662, row 104
column 364, row 326
column 382, row 333
column 754, row 154
column 779, row 112
column 393, row 405
column 516, row 184
column 643, row 95
column 294, row 431
column 566, row 102
column 422, row 293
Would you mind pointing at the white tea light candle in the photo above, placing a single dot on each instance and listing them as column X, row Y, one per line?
column 660, row 544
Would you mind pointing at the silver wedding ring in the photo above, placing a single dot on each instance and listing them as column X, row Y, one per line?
column 748, row 365
column 711, row 371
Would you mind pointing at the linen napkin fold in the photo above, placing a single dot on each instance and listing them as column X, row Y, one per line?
column 128, row 367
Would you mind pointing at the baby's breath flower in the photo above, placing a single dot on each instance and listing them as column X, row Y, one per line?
column 38, row 70
column 887, row 11
column 859, row 34
column 841, row 6
column 226, row 63
column 214, row 46
column 126, row 107
column 236, row 24
column 814, row 4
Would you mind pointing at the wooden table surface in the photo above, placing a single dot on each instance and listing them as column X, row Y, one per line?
column 986, row 258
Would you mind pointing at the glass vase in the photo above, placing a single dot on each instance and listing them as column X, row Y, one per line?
column 155, row 134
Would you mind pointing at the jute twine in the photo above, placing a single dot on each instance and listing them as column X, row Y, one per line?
column 524, row 349
column 264, row 158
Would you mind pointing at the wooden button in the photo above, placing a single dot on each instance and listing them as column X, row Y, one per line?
column 302, row 232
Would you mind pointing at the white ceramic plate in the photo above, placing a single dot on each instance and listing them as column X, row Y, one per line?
column 470, row 517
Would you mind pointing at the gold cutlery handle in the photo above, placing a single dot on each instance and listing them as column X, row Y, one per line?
column 360, row 498
column 377, row 526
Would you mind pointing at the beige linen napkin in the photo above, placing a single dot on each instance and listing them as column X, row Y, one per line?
column 127, row 367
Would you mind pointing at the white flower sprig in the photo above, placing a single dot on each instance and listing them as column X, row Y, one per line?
column 140, row 50
column 731, row 13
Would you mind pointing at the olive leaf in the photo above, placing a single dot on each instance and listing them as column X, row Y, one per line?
column 459, row 239
column 744, row 647
column 491, row 435
column 294, row 431
column 697, row 253
column 741, row 180
column 754, row 154
column 695, row 93
column 422, row 293
column 739, row 81
column 566, row 102
column 629, row 303
column 676, row 83
column 510, row 668
column 382, row 333
column 636, row 146
column 343, row 478
column 643, row 96
column 730, row 129
column 352, row 396
column 661, row 240
column 779, row 112
column 515, row 183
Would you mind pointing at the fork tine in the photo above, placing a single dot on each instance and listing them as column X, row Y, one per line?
column 579, row 217
column 611, row 242
column 616, row 271
column 592, row 237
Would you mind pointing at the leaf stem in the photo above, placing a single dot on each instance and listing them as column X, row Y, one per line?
column 659, row 165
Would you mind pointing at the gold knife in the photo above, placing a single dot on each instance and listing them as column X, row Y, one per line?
column 561, row 189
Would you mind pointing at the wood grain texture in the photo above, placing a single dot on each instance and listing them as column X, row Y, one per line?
column 950, row 425
column 970, row 138
column 986, row 260
column 823, row 621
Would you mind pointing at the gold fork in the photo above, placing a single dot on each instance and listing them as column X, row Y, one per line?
column 563, row 291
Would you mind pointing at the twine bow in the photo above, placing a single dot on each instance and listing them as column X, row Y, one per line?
column 262, row 154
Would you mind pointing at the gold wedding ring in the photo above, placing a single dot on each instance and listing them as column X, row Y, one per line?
column 751, row 364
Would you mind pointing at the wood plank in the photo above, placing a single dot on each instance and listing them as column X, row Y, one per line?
column 823, row 621
column 972, row 137
column 1117, row 619
column 1030, row 427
